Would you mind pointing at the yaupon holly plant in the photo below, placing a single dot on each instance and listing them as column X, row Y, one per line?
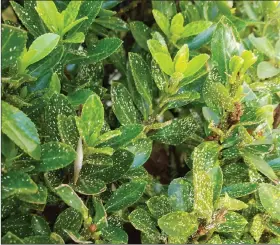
column 159, row 127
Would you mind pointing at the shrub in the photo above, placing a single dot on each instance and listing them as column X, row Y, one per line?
column 183, row 148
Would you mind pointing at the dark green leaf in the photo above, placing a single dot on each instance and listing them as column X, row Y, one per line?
column 240, row 189
column 40, row 197
column 141, row 33
column 115, row 235
column 159, row 206
column 40, row 225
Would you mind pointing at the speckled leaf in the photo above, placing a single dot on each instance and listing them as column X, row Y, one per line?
column 203, row 194
column 100, row 217
column 13, row 44
column 270, row 199
column 40, row 226
column 141, row 33
column 92, row 119
column 195, row 28
column 11, row 238
column 142, row 221
column 8, row 206
column 38, row 240
column 231, row 203
column 142, row 76
column 137, row 173
column 102, row 50
column 55, row 155
column 178, row 224
column 15, row 183
column 159, row 206
column 21, row 130
column 18, row 224
column 215, row 239
column 58, row 105
column 68, row 219
column 166, row 7
column 260, row 164
column 273, row 227
column 128, row 133
column 240, row 189
column 123, row 106
column 76, row 237
column 68, row 195
column 40, row 197
column 158, row 76
column 89, row 186
column 142, row 149
column 176, row 132
column 29, row 17
column 126, row 195
column 216, row 95
column 257, row 227
column 234, row 223
column 216, row 175
column 115, row 235
column 113, row 23
column 89, row 9
column 181, row 195
column 107, row 136
column 56, row 238
column 223, row 47
column 68, row 130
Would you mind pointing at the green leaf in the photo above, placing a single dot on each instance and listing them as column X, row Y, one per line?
column 216, row 95
column 21, row 130
column 108, row 135
column 142, row 76
column 76, row 237
column 58, row 105
column 29, row 17
column 71, row 12
column 158, row 76
column 178, row 224
column 266, row 70
column 223, row 47
column 89, row 9
column 49, row 14
column 71, row 26
column 203, row 194
column 92, row 119
column 142, row 149
column 113, row 23
column 123, row 106
column 125, row 196
column 216, row 175
column 176, row 132
column 35, row 52
column 18, row 182
column 270, row 199
column 167, row 8
column 57, row 239
column 158, row 206
column 195, row 64
column 177, row 27
column 231, row 203
column 11, row 238
column 260, row 164
column 79, row 97
column 68, row 130
column 55, row 155
column 215, row 239
column 181, row 59
column 102, row 50
column 128, row 133
column 240, row 189
column 18, row 224
column 257, row 227
column 195, row 28
column 141, row 33
column 100, row 217
column 234, row 223
column 181, row 195
column 115, row 235
column 162, row 21
column 68, row 195
column 13, row 44
column 40, row 197
column 122, row 161
column 142, row 221
column 263, row 45
column 77, row 37
column 89, row 186
column 68, row 219
column 40, row 226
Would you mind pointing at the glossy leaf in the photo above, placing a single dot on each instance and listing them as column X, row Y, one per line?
column 11, row 238
column 141, row 33
column 21, row 130
column 40, row 197
column 159, row 206
column 234, row 223
column 125, row 196
column 240, row 189
column 195, row 28
column 40, row 225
